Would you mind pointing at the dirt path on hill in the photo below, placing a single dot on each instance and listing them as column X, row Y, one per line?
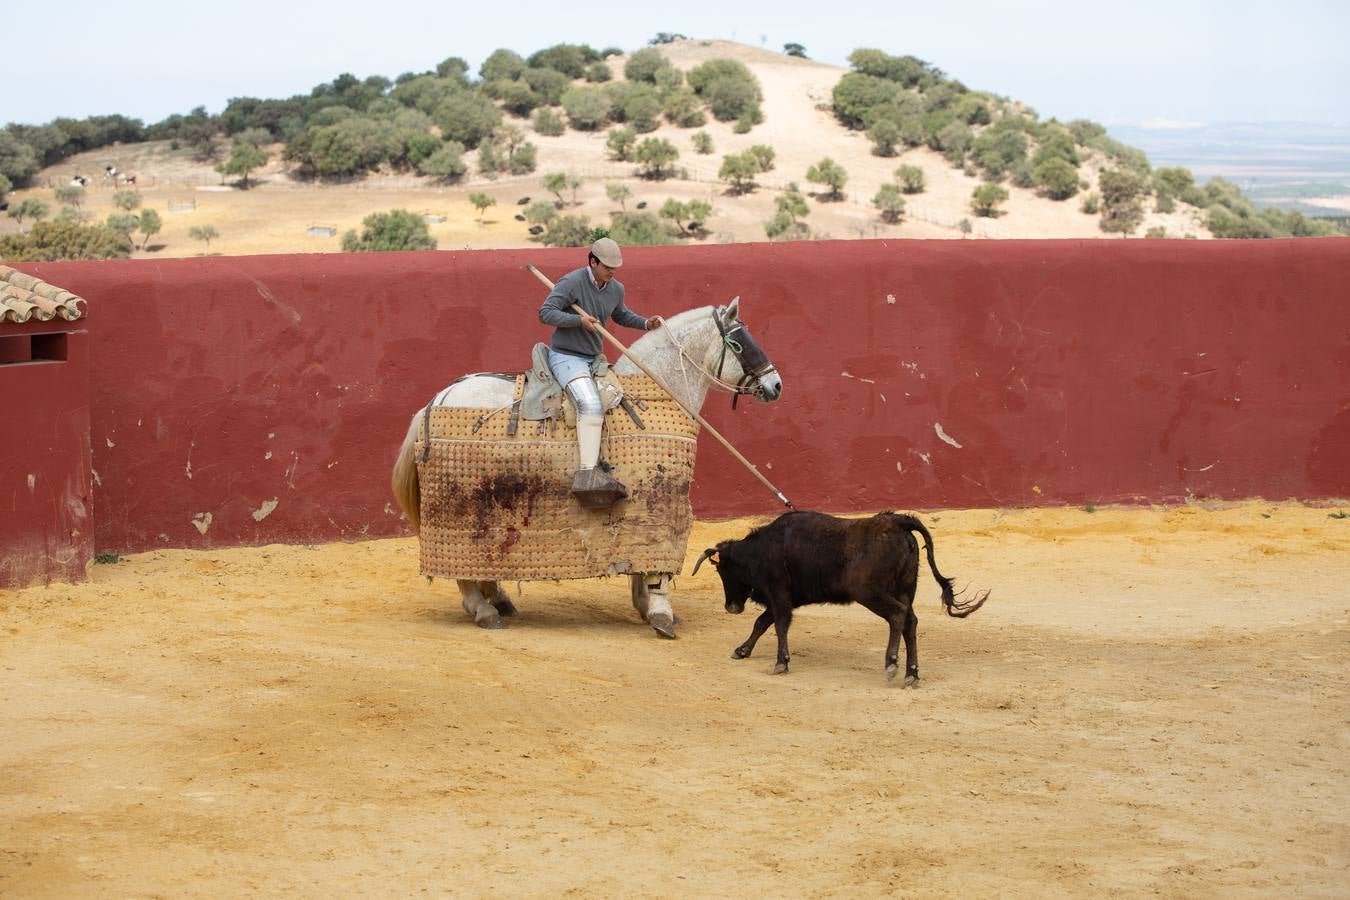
column 1153, row 702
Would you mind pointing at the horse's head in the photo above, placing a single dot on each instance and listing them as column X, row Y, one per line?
column 741, row 362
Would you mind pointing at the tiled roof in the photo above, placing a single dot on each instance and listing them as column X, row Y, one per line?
column 23, row 297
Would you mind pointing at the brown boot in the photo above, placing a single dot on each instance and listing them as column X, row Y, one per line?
column 595, row 489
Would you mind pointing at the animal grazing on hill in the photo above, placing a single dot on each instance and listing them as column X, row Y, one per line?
column 808, row 557
column 78, row 181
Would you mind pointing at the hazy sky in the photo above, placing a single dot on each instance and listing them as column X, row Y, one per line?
column 1123, row 62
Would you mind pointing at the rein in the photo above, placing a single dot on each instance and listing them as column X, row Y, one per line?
column 751, row 370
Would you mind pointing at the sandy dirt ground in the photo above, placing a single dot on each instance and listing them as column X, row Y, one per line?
column 1153, row 702
column 275, row 215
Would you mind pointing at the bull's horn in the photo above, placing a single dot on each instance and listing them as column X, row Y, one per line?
column 710, row 553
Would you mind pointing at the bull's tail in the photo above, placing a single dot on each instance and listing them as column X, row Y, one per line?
column 957, row 608
column 403, row 480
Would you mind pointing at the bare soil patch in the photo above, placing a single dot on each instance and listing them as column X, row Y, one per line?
column 1154, row 701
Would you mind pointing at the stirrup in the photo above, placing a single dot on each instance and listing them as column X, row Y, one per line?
column 594, row 489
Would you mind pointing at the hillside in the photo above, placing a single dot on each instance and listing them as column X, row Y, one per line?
column 276, row 215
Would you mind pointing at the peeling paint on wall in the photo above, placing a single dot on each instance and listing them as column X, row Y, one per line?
column 265, row 510
column 944, row 437
column 202, row 521
column 32, row 481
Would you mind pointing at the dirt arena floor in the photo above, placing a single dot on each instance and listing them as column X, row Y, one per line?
column 1153, row 702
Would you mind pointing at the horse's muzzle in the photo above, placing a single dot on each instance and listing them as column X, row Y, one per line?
column 770, row 388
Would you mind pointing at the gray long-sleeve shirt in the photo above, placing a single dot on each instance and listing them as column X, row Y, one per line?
column 604, row 303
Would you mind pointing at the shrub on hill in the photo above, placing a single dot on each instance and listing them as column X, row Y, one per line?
column 907, row 71
column 856, row 94
column 502, row 64
column 50, row 241
column 832, row 175
column 654, row 157
column 986, row 199
column 446, row 162
column 638, row 229
column 728, row 87
column 569, row 59
column 597, row 72
column 911, row 178
column 548, row 85
column 18, row 161
column 684, row 109
column 1122, row 200
column 997, row 150
column 397, row 229
column 587, row 107
column 786, row 224
column 425, row 92
column 643, row 65
column 566, row 231
column 889, row 201
column 466, row 117
column 620, row 142
column 548, row 123
column 1056, row 178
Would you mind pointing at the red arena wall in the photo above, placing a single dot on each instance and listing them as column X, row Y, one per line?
column 262, row 399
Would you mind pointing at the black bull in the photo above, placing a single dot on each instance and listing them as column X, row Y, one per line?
column 808, row 557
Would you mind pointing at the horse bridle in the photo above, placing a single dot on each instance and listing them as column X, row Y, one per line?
column 754, row 362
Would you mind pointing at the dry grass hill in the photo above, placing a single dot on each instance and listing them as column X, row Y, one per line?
column 276, row 214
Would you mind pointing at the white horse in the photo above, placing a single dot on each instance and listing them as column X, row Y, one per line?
column 693, row 352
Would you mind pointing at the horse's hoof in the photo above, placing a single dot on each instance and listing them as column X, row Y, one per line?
column 491, row 623
column 780, row 669
column 505, row 608
column 663, row 623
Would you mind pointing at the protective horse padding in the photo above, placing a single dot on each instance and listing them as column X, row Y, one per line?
column 499, row 507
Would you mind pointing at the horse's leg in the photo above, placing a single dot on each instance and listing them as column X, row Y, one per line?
column 484, row 614
column 651, row 598
column 498, row 597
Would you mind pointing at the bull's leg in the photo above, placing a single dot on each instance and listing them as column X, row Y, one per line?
column 756, row 632
column 494, row 594
column 782, row 618
column 651, row 598
column 484, row 614
column 911, row 643
column 895, row 614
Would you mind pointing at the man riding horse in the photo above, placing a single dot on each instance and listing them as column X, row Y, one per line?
column 576, row 349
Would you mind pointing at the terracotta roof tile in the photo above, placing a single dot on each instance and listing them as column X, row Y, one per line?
column 23, row 297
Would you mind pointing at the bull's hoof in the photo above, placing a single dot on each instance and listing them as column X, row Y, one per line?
column 891, row 672
column 911, row 679
column 663, row 623
column 505, row 608
column 740, row 653
column 780, row 669
column 492, row 623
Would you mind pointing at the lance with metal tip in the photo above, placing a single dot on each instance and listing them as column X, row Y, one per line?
column 693, row 414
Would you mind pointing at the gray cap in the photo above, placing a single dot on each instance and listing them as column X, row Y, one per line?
column 607, row 251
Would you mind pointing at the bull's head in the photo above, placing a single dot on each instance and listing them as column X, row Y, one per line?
column 736, row 586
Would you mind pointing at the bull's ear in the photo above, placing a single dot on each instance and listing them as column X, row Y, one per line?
column 710, row 553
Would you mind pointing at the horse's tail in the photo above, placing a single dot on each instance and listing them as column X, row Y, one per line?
column 403, row 480
column 956, row 608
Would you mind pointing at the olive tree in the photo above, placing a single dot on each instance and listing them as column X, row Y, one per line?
column 890, row 202
column 985, row 199
column 481, row 202
column 620, row 143
column 150, row 225
column 206, row 233
column 831, row 174
column 912, row 179
column 618, row 193
column 397, row 229
column 654, row 157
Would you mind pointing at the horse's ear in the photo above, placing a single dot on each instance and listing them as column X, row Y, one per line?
column 732, row 311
